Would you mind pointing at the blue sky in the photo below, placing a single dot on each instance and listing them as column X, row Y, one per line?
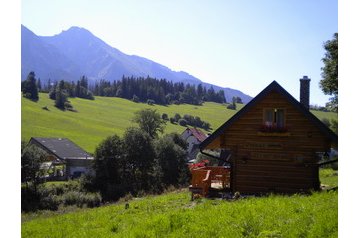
column 238, row 44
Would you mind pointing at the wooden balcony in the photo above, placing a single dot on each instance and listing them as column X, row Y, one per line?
column 208, row 179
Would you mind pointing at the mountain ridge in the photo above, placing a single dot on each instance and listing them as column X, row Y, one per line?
column 76, row 52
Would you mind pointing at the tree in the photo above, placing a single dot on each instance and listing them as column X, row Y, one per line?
column 31, row 159
column 139, row 155
column 108, row 167
column 171, row 158
column 29, row 87
column 149, row 120
column 329, row 82
column 60, row 95
column 39, row 85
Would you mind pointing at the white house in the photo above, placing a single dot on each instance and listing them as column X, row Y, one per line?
column 193, row 137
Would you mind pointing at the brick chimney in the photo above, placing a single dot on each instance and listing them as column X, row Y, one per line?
column 305, row 91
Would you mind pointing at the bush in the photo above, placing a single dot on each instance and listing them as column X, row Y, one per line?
column 150, row 102
column 50, row 202
column 231, row 106
column 68, row 105
column 79, row 199
column 165, row 117
column 177, row 117
column 182, row 122
column 135, row 98
column 172, row 120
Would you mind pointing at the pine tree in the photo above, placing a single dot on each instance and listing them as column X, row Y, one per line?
column 30, row 87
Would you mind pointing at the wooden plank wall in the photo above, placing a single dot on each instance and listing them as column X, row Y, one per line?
column 274, row 163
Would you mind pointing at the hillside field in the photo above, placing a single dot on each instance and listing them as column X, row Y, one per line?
column 104, row 116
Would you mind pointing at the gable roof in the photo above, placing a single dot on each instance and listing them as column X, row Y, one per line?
column 274, row 86
column 62, row 148
column 198, row 134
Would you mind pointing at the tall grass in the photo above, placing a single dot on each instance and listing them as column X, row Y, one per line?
column 174, row 215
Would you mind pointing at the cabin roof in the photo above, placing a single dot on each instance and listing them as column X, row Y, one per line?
column 198, row 134
column 274, row 86
column 62, row 148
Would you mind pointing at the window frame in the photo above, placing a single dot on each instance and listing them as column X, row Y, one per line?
column 272, row 126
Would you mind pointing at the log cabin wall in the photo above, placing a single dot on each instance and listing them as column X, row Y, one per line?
column 273, row 162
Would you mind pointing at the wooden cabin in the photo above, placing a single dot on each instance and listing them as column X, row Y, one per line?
column 275, row 143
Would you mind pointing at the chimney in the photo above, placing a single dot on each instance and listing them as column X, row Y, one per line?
column 305, row 91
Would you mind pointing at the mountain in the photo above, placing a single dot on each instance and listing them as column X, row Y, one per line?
column 76, row 52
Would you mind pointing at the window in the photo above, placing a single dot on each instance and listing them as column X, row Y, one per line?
column 274, row 120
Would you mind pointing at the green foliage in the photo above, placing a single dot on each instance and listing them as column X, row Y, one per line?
column 165, row 117
column 139, row 154
column 109, row 168
column 177, row 117
column 326, row 122
column 182, row 122
column 31, row 159
column 171, row 158
column 29, row 87
column 149, row 121
column 329, row 82
column 231, row 106
column 135, row 98
column 334, row 126
column 150, row 102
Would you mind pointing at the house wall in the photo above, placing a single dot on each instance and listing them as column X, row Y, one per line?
column 278, row 162
column 80, row 165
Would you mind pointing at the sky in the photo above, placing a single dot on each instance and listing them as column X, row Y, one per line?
column 243, row 45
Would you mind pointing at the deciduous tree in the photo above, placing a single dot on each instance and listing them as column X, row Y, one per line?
column 329, row 82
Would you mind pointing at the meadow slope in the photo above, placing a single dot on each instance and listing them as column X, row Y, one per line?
column 95, row 120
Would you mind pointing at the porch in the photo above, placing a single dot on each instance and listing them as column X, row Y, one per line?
column 210, row 181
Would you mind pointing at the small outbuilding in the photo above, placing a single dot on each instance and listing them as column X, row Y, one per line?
column 62, row 152
column 275, row 143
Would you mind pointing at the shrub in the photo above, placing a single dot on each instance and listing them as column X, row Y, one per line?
column 68, row 105
column 79, row 199
column 172, row 120
column 326, row 122
column 231, row 106
column 177, row 117
column 150, row 102
column 182, row 122
column 135, row 98
column 165, row 117
column 50, row 202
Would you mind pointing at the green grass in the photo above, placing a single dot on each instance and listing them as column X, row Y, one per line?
column 328, row 177
column 106, row 116
column 174, row 215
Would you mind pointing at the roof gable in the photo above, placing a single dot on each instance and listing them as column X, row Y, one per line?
column 274, row 86
column 61, row 147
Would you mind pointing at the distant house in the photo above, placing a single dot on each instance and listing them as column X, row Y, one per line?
column 61, row 151
column 193, row 137
column 275, row 143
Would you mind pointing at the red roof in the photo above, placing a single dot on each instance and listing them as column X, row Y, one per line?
column 198, row 134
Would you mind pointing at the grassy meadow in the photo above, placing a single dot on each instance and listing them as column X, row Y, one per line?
column 95, row 120
column 174, row 215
